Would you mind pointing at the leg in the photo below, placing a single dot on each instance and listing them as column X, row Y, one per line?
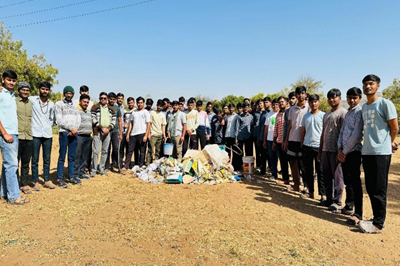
column 79, row 158
column 273, row 158
column 35, row 159
column 121, row 150
column 142, row 149
column 262, row 158
column 9, row 179
column 25, row 155
column 284, row 163
column 249, row 146
column 294, row 166
column 354, row 159
column 47, row 143
column 320, row 177
column 309, row 168
column 338, row 183
column 104, row 151
column 96, row 152
column 149, row 154
column 178, row 144
column 346, row 169
column 130, row 152
column 328, row 177
column 193, row 142
column 85, row 154
column 63, row 143
column 185, row 144
column 72, row 143
column 115, row 147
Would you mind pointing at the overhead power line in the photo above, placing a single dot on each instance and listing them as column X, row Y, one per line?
column 48, row 9
column 80, row 15
column 14, row 4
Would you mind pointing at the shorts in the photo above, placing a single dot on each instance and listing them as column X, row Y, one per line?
column 294, row 151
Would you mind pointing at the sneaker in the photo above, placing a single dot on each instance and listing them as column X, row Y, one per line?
column 93, row 173
column 85, row 177
column 103, row 173
column 334, row 207
column 347, row 210
column 76, row 181
column 368, row 227
column 272, row 178
column 62, row 183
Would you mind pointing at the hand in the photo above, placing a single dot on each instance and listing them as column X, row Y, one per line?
column 189, row 131
column 319, row 157
column 8, row 138
column 74, row 131
column 169, row 135
column 236, row 141
column 144, row 139
column 284, row 146
column 395, row 147
column 149, row 138
column 341, row 157
column 120, row 137
column 274, row 146
column 164, row 138
column 182, row 139
column 265, row 145
column 127, row 137
column 105, row 130
column 208, row 137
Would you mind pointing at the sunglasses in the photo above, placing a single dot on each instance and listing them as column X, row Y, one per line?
column 103, row 98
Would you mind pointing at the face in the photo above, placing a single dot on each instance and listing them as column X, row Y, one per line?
column 226, row 110
column 103, row 100
column 293, row 101
column 209, row 108
column 314, row 105
column 353, row 100
column 175, row 107
column 181, row 107
column 246, row 109
column 84, row 103
column 232, row 109
column 219, row 116
column 84, row 92
column 282, row 104
column 131, row 104
column 267, row 104
column 261, row 105
column 370, row 87
column 240, row 110
column 112, row 101
column 159, row 108
column 301, row 97
column 148, row 106
column 9, row 83
column 24, row 93
column 120, row 100
column 140, row 105
column 275, row 107
column 44, row 92
column 247, row 102
column 190, row 106
column 68, row 96
column 334, row 101
column 199, row 108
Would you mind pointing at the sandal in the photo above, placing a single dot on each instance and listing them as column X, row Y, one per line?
column 49, row 185
column 21, row 202
column 26, row 190
column 36, row 187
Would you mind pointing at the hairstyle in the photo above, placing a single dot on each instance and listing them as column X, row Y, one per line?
column 282, row 97
column 291, row 94
column 130, row 99
column 149, row 101
column 209, row 103
column 354, row 91
column 217, row 112
column 225, row 105
column 103, row 93
column 371, row 77
column 308, row 95
column 45, row 84
column 231, row 105
column 140, row 98
column 253, row 102
column 274, row 101
column 160, row 103
column 199, row 103
column 300, row 89
column 239, row 105
column 174, row 103
column 84, row 96
column 333, row 93
column 112, row 95
column 166, row 100
column 267, row 99
column 84, row 88
column 191, row 100
column 313, row 97
column 10, row 74
column 246, row 99
column 120, row 95
column 182, row 99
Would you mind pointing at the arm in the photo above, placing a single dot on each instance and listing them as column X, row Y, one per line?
column 129, row 130
column 394, row 129
column 7, row 137
column 303, row 133
column 120, row 127
column 196, row 122
column 355, row 136
column 285, row 143
column 183, row 132
column 321, row 144
column 163, row 132
column 59, row 118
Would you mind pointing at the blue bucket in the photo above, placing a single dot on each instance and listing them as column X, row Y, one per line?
column 168, row 148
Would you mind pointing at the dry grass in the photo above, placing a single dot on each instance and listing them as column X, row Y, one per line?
column 119, row 220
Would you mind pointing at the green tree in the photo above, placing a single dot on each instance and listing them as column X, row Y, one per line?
column 33, row 69
column 393, row 93
column 232, row 99
column 312, row 85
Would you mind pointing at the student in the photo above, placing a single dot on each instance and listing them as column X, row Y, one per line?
column 182, row 102
column 84, row 138
column 68, row 120
column 84, row 90
column 149, row 148
column 43, row 118
column 104, row 119
column 293, row 136
column 278, row 139
column 177, row 129
column 269, row 139
column 192, row 120
column 225, row 110
column 138, row 133
column 331, row 169
column 167, row 108
column 125, row 144
column 209, row 111
column 25, row 139
column 349, row 154
column 291, row 102
column 239, row 108
column 256, row 131
column 244, row 127
column 230, row 135
column 380, row 131
column 9, row 140
column 217, row 128
column 203, row 131
column 311, row 131
column 116, row 135
column 157, row 132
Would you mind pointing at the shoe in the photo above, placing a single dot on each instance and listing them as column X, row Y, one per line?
column 368, row 227
column 93, row 173
column 334, row 207
column 21, row 202
column 103, row 173
column 85, row 176
column 76, row 181
column 346, row 210
column 272, row 178
column 49, row 185
column 324, row 203
column 62, row 183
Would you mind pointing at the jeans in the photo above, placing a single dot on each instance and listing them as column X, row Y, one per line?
column 201, row 136
column 9, row 180
column 100, row 141
column 46, row 143
column 190, row 142
column 376, row 169
column 66, row 143
column 114, row 144
column 273, row 159
column 333, row 177
column 123, row 150
column 310, row 158
column 81, row 155
column 25, row 148
column 352, row 180
column 284, row 161
column 136, row 143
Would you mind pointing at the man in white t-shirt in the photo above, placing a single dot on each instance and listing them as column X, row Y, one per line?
column 137, row 134
column 269, row 138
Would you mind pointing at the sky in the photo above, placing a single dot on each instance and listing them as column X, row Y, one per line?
column 213, row 48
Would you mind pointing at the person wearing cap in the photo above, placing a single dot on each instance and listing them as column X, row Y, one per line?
column 68, row 120
column 25, row 139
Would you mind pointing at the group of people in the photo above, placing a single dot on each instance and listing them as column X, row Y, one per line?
column 102, row 137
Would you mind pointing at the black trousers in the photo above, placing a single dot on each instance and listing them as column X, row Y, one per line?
column 310, row 159
column 136, row 144
column 376, row 169
column 25, row 149
column 114, row 144
column 352, row 181
column 124, row 149
column 284, row 162
column 235, row 158
column 247, row 147
column 258, row 145
column 262, row 158
column 190, row 142
column 201, row 136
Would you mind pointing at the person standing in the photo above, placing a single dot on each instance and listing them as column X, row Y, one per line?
column 157, row 132
column 230, row 136
column 203, row 131
column 349, row 154
column 125, row 144
column 68, row 120
column 217, row 128
column 380, row 131
column 104, row 119
column 192, row 120
column 83, row 90
column 25, row 139
column 149, row 148
column 43, row 118
column 256, row 112
column 116, row 135
column 243, row 136
column 269, row 139
column 84, row 138
column 328, row 150
column 176, row 129
column 9, row 188
column 311, row 131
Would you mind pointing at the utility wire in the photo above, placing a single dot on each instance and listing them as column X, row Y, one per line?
column 80, row 15
column 48, row 9
column 14, row 4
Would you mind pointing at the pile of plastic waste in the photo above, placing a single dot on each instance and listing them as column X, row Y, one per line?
column 210, row 166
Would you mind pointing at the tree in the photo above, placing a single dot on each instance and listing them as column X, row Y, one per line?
column 313, row 86
column 32, row 70
column 393, row 93
column 232, row 99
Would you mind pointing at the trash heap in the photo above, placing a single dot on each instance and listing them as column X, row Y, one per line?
column 210, row 166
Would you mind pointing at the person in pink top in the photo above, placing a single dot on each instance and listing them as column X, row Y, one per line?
column 204, row 129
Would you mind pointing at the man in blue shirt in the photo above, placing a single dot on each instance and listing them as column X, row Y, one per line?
column 9, row 140
column 380, row 130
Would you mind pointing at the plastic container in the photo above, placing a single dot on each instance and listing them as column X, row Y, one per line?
column 168, row 148
column 248, row 164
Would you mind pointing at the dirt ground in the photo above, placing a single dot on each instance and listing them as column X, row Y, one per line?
column 118, row 220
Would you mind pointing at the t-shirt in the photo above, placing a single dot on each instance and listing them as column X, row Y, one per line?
column 157, row 121
column 270, row 122
column 296, row 115
column 140, row 120
column 332, row 124
column 377, row 140
column 180, row 120
column 313, row 124
column 119, row 114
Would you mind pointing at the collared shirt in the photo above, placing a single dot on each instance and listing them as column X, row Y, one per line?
column 43, row 117
column 351, row 133
column 244, row 126
column 256, row 123
column 24, row 112
column 230, row 131
column 8, row 111
column 279, row 127
column 296, row 114
column 67, row 116
column 263, row 117
column 76, row 103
